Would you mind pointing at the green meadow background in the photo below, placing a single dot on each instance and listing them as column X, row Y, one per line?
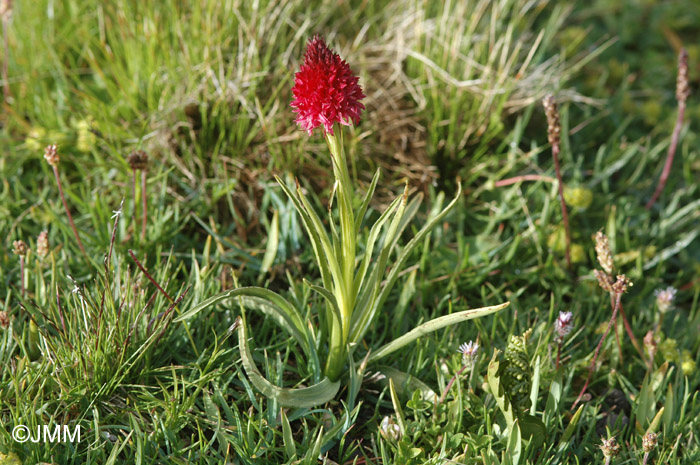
column 454, row 91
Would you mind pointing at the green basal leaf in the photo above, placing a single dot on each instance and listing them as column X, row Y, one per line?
column 272, row 245
column 330, row 251
column 365, row 311
column 371, row 241
column 514, row 447
column 400, row 417
column 287, row 437
column 300, row 398
column 433, row 325
column 409, row 213
column 364, row 321
column 365, row 202
column 268, row 302
column 571, row 427
column 316, row 239
column 330, row 298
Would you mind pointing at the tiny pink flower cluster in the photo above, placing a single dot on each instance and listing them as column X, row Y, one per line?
column 469, row 351
column 563, row 325
column 664, row 298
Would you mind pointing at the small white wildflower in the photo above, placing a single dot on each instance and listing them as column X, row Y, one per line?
column 664, row 298
column 469, row 350
column 389, row 429
column 564, row 324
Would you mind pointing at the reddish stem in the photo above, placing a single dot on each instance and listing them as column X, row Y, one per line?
column 564, row 213
column 669, row 157
column 525, row 177
column 449, row 385
column 591, row 369
column 148, row 275
column 558, row 353
column 143, row 204
column 65, row 206
column 630, row 334
column 133, row 196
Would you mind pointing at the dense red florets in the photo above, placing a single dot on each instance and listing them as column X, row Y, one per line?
column 325, row 90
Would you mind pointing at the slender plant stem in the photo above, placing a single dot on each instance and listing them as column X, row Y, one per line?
column 591, row 368
column 135, row 202
column 451, row 382
column 144, row 213
column 65, row 206
column 617, row 341
column 556, row 366
column 21, row 274
column 346, row 299
column 645, row 460
column 669, row 157
column 564, row 213
column 630, row 334
column 148, row 275
column 525, row 177
column 60, row 313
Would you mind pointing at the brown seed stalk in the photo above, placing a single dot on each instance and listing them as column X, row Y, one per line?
column 52, row 157
column 682, row 93
column 619, row 287
column 554, row 136
column 138, row 161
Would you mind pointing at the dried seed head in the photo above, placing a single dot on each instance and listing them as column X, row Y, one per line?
column 42, row 244
column 610, row 447
column 649, row 442
column 563, row 325
column 621, row 284
column 138, row 160
column 664, row 298
column 682, row 87
column 51, row 154
column 5, row 9
column 602, row 250
column 20, row 248
column 605, row 281
column 553, row 125
column 4, row 319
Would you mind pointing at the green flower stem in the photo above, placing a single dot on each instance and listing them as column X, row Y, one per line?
column 345, row 296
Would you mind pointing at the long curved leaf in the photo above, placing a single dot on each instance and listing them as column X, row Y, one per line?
column 300, row 398
column 434, row 325
column 316, row 240
column 365, row 203
column 330, row 298
column 264, row 300
column 371, row 240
